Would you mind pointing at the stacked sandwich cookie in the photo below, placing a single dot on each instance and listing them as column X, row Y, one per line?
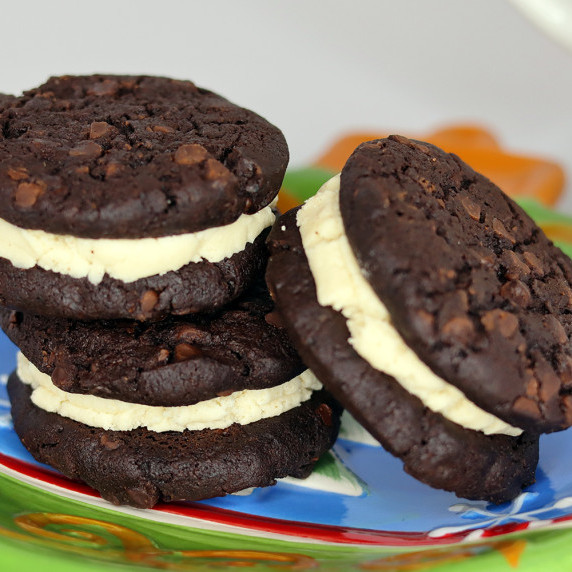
column 134, row 213
column 435, row 310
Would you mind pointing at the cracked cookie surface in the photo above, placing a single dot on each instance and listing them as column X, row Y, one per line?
column 131, row 157
column 472, row 284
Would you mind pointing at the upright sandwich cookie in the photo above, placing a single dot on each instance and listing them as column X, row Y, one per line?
column 132, row 197
column 435, row 309
column 208, row 406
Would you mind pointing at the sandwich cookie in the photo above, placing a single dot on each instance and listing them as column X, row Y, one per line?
column 335, row 302
column 203, row 415
column 132, row 197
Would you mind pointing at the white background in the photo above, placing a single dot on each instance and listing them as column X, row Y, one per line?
column 318, row 68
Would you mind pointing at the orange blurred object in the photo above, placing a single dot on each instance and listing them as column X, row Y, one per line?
column 516, row 175
column 286, row 202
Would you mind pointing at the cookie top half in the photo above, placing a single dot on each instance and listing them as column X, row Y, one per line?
column 176, row 361
column 132, row 157
column 472, row 285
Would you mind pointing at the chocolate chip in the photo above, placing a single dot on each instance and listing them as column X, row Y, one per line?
column 27, row 194
column 148, row 300
column 99, row 129
column 325, row 413
column 185, row 351
column 517, row 292
column 472, row 208
column 499, row 320
column 190, row 154
column 87, row 149
column 17, row 173
column 62, row 378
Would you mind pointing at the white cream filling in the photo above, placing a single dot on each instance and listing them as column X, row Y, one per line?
column 341, row 285
column 243, row 407
column 127, row 259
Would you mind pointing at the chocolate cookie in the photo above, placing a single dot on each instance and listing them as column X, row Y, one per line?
column 178, row 361
column 141, row 467
column 132, row 197
column 474, row 287
column 131, row 157
column 437, row 451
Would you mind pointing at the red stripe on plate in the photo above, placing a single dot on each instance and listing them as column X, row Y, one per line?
column 299, row 530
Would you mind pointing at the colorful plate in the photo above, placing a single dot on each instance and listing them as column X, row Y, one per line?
column 358, row 511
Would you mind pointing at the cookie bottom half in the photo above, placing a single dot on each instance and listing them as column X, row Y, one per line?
column 196, row 287
column 141, row 468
